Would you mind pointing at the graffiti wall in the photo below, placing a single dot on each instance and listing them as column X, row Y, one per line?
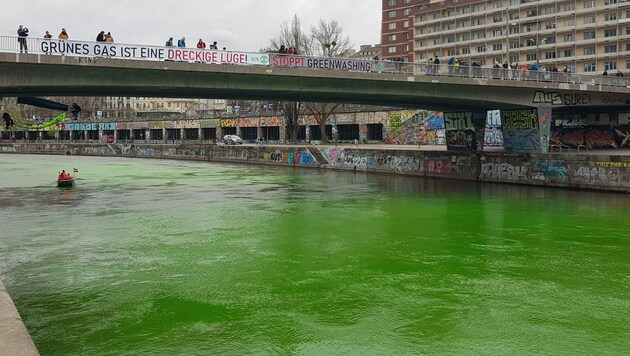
column 563, row 170
column 593, row 137
column 520, row 130
column 493, row 137
column 460, row 132
column 409, row 127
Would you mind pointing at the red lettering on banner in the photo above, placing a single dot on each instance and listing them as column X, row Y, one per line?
column 288, row 61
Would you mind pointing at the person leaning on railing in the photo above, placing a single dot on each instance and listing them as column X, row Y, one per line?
column 22, row 33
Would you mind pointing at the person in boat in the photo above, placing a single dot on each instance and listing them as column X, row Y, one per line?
column 64, row 175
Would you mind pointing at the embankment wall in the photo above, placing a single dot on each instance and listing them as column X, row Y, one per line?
column 610, row 172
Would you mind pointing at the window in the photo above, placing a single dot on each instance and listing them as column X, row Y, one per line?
column 610, row 2
column 497, row 19
column 589, row 4
column 406, row 23
column 481, row 35
column 407, row 12
column 569, row 38
column 589, row 67
column 610, row 17
column 610, row 49
column 531, row 57
column 466, row 37
column 550, row 40
column 406, row 36
column 497, row 33
column 392, row 2
column 569, row 7
column 481, row 7
column 550, row 25
column 467, row 10
column 610, row 33
column 406, row 1
column 532, row 13
column 515, row 44
column 406, row 48
column 627, row 46
column 391, row 38
column 481, row 21
column 450, row 39
column 589, row 35
column 550, row 10
column 391, row 14
column 628, row 64
column 568, row 53
column 589, row 51
column 569, row 23
column 611, row 65
column 391, row 50
column 481, row 49
column 550, row 55
column 497, row 47
column 589, row 19
column 466, row 50
column 391, row 26
column 497, row 5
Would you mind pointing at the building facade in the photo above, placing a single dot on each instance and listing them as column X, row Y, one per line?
column 587, row 36
column 397, row 29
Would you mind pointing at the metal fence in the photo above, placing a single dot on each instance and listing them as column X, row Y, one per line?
column 11, row 44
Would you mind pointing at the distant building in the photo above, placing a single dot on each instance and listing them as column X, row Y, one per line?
column 587, row 36
column 368, row 52
column 126, row 108
column 397, row 29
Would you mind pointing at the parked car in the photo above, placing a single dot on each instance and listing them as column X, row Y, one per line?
column 232, row 140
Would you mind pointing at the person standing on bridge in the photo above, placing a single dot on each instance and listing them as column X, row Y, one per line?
column 169, row 43
column 100, row 37
column 181, row 43
column 201, row 44
column 109, row 38
column 22, row 33
column 63, row 35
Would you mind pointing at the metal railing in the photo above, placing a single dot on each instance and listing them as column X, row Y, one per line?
column 11, row 44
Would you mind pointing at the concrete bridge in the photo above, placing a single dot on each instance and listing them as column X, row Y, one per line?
column 61, row 75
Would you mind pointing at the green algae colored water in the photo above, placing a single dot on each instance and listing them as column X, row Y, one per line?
column 186, row 258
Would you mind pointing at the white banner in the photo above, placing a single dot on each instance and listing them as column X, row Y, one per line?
column 126, row 51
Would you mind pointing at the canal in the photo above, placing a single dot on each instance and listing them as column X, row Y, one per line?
column 175, row 257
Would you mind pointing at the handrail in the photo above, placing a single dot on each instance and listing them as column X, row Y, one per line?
column 12, row 44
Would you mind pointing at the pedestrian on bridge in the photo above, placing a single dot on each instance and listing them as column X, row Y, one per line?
column 63, row 35
column 181, row 43
column 201, row 44
column 22, row 33
column 100, row 37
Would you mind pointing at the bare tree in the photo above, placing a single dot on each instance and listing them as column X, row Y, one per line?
column 292, row 35
column 321, row 112
column 329, row 38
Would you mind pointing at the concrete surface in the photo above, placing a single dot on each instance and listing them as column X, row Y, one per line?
column 14, row 338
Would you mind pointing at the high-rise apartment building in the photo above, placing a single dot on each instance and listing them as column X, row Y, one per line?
column 397, row 29
column 588, row 36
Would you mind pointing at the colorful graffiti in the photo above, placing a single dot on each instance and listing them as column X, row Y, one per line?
column 416, row 128
column 591, row 137
column 460, row 131
column 520, row 130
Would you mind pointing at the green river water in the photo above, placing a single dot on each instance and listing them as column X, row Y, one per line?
column 156, row 257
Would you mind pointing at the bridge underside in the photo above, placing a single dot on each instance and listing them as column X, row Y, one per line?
column 35, row 75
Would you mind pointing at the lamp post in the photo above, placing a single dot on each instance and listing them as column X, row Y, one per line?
column 537, row 43
column 508, row 26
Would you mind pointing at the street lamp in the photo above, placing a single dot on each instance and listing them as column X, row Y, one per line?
column 537, row 43
column 508, row 26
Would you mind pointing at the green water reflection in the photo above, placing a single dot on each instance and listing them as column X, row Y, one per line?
column 169, row 257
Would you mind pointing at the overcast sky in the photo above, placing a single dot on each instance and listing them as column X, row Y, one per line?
column 244, row 25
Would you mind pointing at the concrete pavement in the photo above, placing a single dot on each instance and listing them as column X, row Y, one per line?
column 14, row 338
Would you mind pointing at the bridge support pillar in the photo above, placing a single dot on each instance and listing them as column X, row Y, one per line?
column 544, row 127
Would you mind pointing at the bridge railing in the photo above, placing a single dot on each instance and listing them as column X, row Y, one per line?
column 12, row 44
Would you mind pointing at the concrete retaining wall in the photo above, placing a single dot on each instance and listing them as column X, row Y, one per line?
column 571, row 170
column 14, row 338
